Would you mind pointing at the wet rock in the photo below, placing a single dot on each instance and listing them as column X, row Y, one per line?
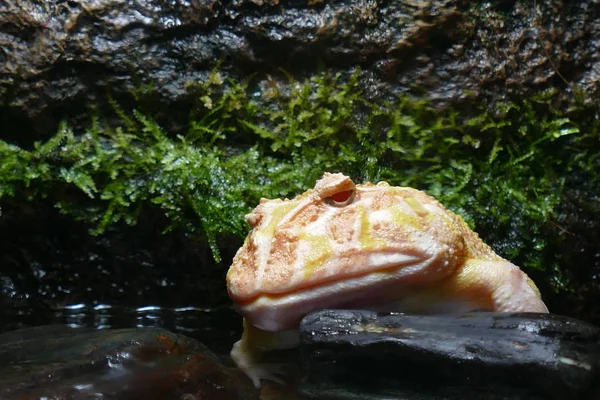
column 364, row 354
column 58, row 362
column 57, row 56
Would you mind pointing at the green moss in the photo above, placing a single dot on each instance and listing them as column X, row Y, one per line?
column 503, row 171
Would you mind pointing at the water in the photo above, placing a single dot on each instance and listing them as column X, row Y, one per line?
column 218, row 328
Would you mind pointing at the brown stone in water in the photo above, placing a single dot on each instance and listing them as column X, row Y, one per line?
column 57, row 362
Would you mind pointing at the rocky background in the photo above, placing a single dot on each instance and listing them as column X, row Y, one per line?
column 59, row 57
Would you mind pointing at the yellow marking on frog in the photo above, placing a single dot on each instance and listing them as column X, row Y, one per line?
column 452, row 223
column 258, row 338
column 531, row 284
column 416, row 206
column 276, row 215
column 320, row 249
column 401, row 218
column 367, row 242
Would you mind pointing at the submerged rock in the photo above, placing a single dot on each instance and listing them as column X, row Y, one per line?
column 57, row 362
column 364, row 354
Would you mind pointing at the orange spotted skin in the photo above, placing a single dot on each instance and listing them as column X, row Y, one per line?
column 369, row 246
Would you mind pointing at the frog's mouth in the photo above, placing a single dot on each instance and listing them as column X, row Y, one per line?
column 277, row 312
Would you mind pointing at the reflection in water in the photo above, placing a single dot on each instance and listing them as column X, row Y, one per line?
column 216, row 327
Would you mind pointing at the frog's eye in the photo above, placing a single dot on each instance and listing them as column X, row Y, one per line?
column 341, row 198
column 335, row 189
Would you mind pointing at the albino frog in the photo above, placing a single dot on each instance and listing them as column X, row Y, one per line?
column 379, row 247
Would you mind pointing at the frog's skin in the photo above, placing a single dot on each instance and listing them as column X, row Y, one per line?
column 342, row 245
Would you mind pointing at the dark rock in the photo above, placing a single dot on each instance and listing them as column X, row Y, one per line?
column 363, row 354
column 57, row 56
column 57, row 362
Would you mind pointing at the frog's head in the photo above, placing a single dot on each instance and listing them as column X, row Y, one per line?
column 336, row 245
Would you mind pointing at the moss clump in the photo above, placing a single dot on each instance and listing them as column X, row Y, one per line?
column 503, row 171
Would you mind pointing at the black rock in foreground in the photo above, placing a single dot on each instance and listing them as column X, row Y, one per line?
column 370, row 355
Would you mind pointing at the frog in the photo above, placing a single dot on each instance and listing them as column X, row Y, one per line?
column 342, row 245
